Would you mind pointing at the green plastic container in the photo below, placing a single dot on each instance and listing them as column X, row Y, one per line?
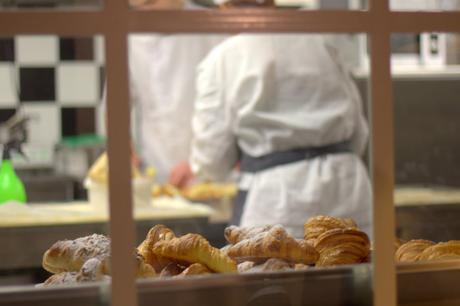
column 11, row 187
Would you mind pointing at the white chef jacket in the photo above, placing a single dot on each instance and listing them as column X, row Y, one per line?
column 162, row 77
column 266, row 93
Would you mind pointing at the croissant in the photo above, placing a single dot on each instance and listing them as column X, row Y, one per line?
column 442, row 250
column 195, row 269
column 235, row 234
column 193, row 248
column 144, row 269
column 316, row 226
column 171, row 269
column 342, row 246
column 276, row 243
column 157, row 233
column 410, row 250
column 70, row 255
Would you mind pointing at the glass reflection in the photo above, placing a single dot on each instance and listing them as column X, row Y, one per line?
column 253, row 94
column 50, row 4
column 425, row 5
column 427, row 194
column 278, row 4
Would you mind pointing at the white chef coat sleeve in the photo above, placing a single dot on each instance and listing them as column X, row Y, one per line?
column 214, row 150
column 359, row 138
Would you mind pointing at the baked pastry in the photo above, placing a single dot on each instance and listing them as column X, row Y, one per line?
column 209, row 191
column 193, row 248
column 171, row 269
column 92, row 270
column 299, row 267
column 274, row 243
column 316, row 226
column 235, row 234
column 245, row 266
column 166, row 190
column 409, row 251
column 63, row 278
column 195, row 269
column 442, row 250
column 342, row 246
column 70, row 255
column 272, row 265
column 144, row 270
column 157, row 233
column 99, row 170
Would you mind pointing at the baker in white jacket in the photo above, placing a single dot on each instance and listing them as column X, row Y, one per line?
column 284, row 108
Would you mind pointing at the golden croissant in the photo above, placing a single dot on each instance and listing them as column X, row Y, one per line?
column 235, row 234
column 157, row 233
column 274, row 243
column 171, row 269
column 193, row 248
column 342, row 246
column 318, row 225
column 410, row 250
column 442, row 250
column 195, row 269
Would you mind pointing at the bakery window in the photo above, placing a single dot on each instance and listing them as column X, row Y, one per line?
column 186, row 258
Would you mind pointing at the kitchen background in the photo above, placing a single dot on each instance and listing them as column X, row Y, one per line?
column 58, row 83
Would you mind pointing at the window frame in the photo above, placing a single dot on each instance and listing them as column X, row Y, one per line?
column 378, row 23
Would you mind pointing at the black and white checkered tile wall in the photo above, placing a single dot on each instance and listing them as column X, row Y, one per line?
column 57, row 81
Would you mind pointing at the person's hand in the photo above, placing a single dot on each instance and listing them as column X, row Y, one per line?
column 181, row 175
column 135, row 160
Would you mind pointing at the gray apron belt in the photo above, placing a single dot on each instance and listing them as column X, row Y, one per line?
column 249, row 164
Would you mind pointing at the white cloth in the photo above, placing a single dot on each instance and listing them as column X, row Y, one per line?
column 274, row 92
column 162, row 76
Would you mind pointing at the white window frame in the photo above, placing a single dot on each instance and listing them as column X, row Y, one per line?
column 116, row 20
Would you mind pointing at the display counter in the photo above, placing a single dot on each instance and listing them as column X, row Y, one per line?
column 346, row 285
column 421, row 212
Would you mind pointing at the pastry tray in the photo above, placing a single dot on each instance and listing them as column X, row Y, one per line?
column 418, row 284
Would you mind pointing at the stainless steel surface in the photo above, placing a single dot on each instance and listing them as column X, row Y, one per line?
column 348, row 285
column 23, row 247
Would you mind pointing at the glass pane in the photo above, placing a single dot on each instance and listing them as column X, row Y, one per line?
column 418, row 53
column 198, row 111
column 50, row 4
column 50, row 135
column 425, row 5
column 279, row 4
column 427, row 191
